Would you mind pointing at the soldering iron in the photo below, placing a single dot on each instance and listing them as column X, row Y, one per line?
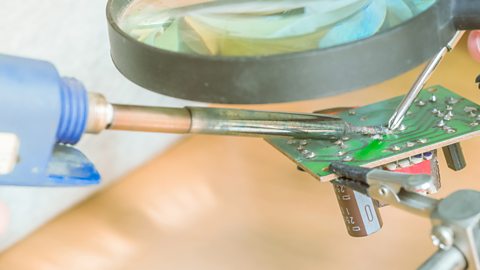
column 254, row 52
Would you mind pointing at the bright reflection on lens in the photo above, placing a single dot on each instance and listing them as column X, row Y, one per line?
column 249, row 28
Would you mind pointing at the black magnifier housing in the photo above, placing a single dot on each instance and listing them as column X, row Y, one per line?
column 293, row 76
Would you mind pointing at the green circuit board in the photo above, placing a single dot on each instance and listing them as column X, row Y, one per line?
column 438, row 118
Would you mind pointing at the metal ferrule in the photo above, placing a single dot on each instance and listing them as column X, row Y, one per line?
column 100, row 113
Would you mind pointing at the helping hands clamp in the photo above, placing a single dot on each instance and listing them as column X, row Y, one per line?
column 455, row 219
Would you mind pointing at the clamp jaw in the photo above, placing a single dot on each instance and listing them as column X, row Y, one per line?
column 455, row 219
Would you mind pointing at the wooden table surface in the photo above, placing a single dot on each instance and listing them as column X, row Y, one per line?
column 214, row 202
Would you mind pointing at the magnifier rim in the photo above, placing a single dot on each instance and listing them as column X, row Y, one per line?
column 114, row 23
column 281, row 77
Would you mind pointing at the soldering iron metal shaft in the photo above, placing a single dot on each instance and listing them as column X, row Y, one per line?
column 232, row 122
column 221, row 122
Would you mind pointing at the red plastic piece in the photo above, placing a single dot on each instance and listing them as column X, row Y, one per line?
column 421, row 168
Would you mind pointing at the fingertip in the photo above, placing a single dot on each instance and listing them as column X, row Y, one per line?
column 474, row 44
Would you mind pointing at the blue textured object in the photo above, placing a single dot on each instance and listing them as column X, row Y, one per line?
column 43, row 109
column 74, row 111
column 68, row 167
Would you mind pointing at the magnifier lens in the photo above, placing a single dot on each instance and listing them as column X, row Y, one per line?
column 255, row 28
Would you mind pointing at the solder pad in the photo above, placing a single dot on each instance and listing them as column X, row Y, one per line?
column 438, row 118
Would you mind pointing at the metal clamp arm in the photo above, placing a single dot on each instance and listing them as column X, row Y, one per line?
column 455, row 219
column 450, row 259
column 397, row 189
column 400, row 190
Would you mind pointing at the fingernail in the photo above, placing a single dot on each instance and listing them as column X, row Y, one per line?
column 474, row 44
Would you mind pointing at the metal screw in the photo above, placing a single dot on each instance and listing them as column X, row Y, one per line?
column 395, row 148
column 383, row 191
column 391, row 166
column 442, row 236
column 427, row 155
column 452, row 100
column 421, row 103
column 404, row 163
column 416, row 159
column 422, row 140
column 310, row 155
column 469, row 109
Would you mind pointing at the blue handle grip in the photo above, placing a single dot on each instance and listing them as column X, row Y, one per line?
column 74, row 111
column 47, row 114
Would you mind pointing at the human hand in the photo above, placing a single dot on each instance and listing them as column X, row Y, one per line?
column 474, row 44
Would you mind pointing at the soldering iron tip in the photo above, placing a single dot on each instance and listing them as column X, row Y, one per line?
column 370, row 130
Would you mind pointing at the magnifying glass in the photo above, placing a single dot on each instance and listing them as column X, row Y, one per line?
column 244, row 51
